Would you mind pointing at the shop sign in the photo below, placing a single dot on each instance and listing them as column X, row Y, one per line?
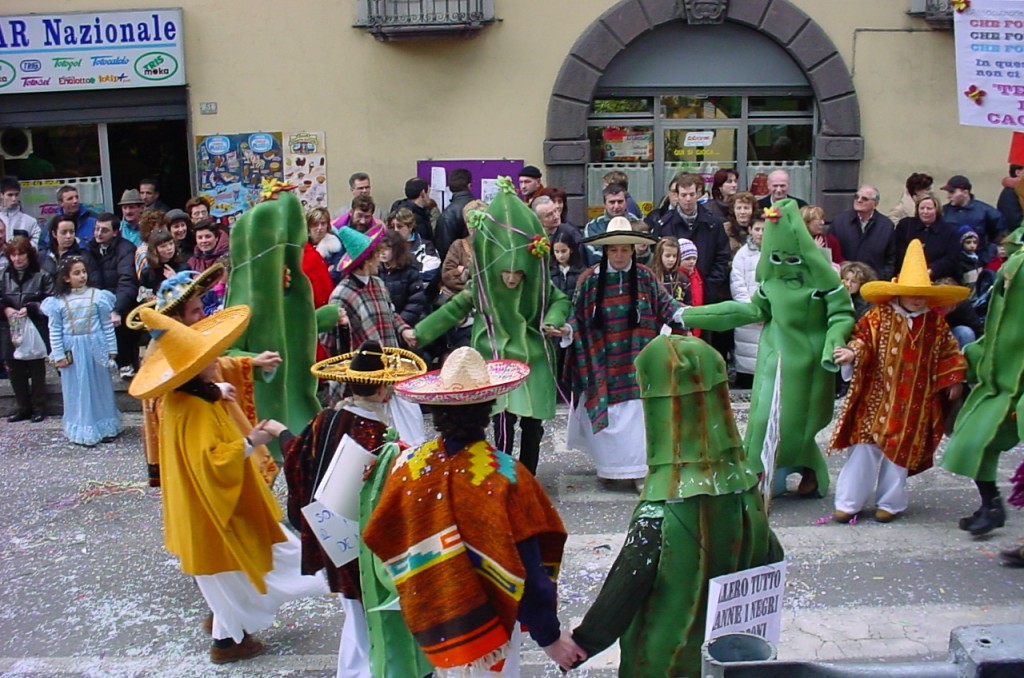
column 91, row 51
column 989, row 38
column 699, row 139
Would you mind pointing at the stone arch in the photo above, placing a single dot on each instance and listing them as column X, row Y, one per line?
column 839, row 147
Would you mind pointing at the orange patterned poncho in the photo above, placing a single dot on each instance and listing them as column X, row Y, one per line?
column 895, row 400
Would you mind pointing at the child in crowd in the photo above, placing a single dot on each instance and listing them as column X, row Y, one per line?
column 854, row 274
column 83, row 348
column 905, row 362
column 970, row 264
column 162, row 262
column 666, row 268
column 644, row 255
column 566, row 263
column 213, row 298
column 743, row 286
column 962, row 318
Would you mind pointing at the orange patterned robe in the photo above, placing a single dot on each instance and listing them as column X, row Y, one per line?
column 896, row 400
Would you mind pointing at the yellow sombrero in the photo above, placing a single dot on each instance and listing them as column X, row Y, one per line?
column 174, row 292
column 398, row 364
column 182, row 352
column 913, row 281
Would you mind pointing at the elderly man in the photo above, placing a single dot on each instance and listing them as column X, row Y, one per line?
column 865, row 234
column 550, row 215
column 778, row 187
column 968, row 213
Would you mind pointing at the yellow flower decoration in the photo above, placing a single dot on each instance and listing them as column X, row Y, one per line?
column 539, row 246
column 271, row 187
column 771, row 214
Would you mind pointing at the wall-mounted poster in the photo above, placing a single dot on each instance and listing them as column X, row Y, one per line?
column 989, row 38
column 232, row 167
column 305, row 166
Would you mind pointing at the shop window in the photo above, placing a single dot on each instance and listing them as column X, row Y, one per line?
column 781, row 105
column 637, row 107
column 701, row 108
column 59, row 152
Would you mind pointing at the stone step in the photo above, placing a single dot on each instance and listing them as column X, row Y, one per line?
column 54, row 398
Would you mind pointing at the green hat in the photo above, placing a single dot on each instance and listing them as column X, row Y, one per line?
column 358, row 246
column 693, row 447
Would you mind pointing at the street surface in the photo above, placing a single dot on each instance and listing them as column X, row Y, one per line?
column 86, row 588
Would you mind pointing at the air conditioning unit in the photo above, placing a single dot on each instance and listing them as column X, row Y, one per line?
column 15, row 143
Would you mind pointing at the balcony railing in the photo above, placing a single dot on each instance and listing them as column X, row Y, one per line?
column 406, row 19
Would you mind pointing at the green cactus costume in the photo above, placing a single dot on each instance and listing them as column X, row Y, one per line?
column 807, row 313
column 988, row 422
column 266, row 276
column 508, row 322
column 700, row 516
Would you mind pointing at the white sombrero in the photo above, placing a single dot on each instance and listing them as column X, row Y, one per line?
column 620, row 232
column 464, row 379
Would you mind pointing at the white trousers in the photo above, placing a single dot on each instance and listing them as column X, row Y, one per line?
column 867, row 470
column 619, row 451
column 354, row 652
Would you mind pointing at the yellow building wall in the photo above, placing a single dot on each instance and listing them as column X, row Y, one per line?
column 299, row 64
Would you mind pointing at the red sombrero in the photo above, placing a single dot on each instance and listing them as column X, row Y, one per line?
column 464, row 379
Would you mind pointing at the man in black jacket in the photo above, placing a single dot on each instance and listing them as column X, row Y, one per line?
column 111, row 265
column 417, row 198
column 695, row 222
column 866, row 235
column 452, row 225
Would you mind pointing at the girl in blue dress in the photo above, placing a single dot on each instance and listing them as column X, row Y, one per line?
column 82, row 348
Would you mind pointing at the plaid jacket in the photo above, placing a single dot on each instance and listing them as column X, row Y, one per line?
column 371, row 315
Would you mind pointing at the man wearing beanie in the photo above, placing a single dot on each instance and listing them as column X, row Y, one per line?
column 529, row 182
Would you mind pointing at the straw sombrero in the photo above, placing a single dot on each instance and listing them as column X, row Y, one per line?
column 358, row 246
column 913, row 281
column 174, row 292
column 371, row 365
column 464, row 379
column 619, row 232
column 182, row 352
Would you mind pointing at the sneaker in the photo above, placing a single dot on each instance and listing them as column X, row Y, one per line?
column 247, row 649
column 127, row 372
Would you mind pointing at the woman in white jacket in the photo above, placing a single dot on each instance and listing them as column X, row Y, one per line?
column 743, row 285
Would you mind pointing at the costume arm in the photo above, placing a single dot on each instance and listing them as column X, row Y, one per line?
column 840, row 319
column 445, row 317
column 559, row 307
column 626, row 588
column 537, row 607
column 326, row 317
column 725, row 315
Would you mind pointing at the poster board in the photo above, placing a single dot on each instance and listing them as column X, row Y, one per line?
column 305, row 165
column 231, row 168
column 485, row 174
column 989, row 39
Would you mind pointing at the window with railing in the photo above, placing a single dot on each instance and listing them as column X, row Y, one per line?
column 391, row 18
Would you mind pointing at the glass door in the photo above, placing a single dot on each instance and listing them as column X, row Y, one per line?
column 700, row 150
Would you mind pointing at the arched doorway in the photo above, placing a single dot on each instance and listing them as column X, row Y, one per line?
column 609, row 59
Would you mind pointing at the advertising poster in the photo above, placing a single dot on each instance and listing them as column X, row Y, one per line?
column 49, row 52
column 627, row 144
column 39, row 196
column 305, row 166
column 989, row 37
column 232, row 167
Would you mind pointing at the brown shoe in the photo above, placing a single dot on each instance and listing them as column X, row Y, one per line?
column 808, row 486
column 208, row 624
column 883, row 516
column 247, row 649
column 1013, row 557
column 843, row 516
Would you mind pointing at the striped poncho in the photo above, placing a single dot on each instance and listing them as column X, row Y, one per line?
column 601, row 358
column 446, row 528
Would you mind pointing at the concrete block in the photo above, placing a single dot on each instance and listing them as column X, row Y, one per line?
column 576, row 80
column 747, row 12
column 831, row 79
column 783, row 21
column 569, row 178
column 839, row 148
column 566, row 152
column 837, row 176
column 811, row 46
column 834, row 203
column 662, row 11
column 626, row 20
column 840, row 116
column 577, row 207
column 597, row 46
column 567, row 119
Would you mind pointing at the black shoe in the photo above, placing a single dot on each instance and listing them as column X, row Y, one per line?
column 965, row 523
column 1013, row 557
column 36, row 418
column 20, row 416
column 991, row 518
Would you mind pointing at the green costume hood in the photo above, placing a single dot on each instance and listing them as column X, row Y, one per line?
column 693, row 447
column 789, row 253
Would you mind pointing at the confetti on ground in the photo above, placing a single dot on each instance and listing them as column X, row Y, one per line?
column 96, row 489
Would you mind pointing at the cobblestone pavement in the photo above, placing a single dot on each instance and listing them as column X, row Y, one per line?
column 86, row 588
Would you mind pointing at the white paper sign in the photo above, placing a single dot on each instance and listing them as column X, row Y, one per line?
column 338, row 535
column 749, row 601
column 488, row 189
column 989, row 39
column 699, row 139
column 339, row 488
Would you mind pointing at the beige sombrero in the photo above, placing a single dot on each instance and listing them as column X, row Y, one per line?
column 620, row 232
column 398, row 364
column 464, row 379
column 174, row 292
column 913, row 281
column 182, row 352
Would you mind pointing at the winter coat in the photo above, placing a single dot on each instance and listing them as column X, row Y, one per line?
column 460, row 255
column 708, row 234
column 407, row 292
column 452, row 225
column 18, row 290
column 566, row 280
column 874, row 246
column 941, row 246
column 114, row 272
column 743, row 285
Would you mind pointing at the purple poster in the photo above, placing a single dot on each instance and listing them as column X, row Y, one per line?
column 485, row 174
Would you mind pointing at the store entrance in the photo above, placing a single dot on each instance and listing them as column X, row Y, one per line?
column 156, row 149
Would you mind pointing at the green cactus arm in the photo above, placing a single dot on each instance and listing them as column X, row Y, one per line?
column 841, row 319
column 559, row 307
column 445, row 317
column 327, row 317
